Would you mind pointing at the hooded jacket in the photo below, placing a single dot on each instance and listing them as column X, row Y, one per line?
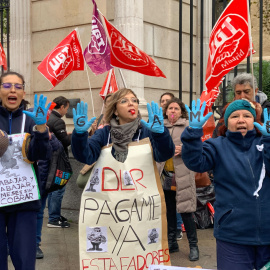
column 186, row 201
column 39, row 148
column 242, row 187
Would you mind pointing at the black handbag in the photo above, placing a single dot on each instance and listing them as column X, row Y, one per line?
column 168, row 180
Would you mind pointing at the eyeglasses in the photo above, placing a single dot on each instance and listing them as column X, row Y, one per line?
column 8, row 86
column 132, row 100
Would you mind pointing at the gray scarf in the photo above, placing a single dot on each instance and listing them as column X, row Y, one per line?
column 121, row 136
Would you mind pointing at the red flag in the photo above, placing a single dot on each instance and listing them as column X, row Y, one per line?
column 110, row 84
column 97, row 53
column 3, row 59
column 53, row 104
column 229, row 42
column 126, row 55
column 209, row 97
column 63, row 59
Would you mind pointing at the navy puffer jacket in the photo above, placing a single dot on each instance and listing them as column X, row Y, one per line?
column 242, row 186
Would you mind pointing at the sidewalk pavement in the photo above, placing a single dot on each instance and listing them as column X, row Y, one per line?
column 61, row 249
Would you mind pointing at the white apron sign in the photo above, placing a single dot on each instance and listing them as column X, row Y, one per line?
column 18, row 182
column 122, row 221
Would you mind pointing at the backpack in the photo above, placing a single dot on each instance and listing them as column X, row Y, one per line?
column 60, row 170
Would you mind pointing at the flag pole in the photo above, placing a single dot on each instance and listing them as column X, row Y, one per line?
column 106, row 88
column 109, row 40
column 250, row 48
column 88, row 78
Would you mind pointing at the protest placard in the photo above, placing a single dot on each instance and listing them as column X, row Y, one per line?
column 123, row 215
column 18, row 182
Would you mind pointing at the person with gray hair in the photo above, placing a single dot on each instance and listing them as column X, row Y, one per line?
column 245, row 86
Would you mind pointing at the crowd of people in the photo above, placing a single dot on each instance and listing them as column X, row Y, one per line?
column 237, row 154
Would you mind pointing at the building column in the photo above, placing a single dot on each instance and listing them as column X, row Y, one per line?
column 207, row 31
column 20, row 41
column 129, row 21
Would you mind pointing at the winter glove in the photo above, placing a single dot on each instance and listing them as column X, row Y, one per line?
column 80, row 119
column 155, row 115
column 196, row 118
column 265, row 128
column 39, row 114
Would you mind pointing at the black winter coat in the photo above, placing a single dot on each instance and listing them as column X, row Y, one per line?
column 44, row 165
column 58, row 127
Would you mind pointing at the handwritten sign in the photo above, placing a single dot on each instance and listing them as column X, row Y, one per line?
column 161, row 267
column 122, row 221
column 18, row 183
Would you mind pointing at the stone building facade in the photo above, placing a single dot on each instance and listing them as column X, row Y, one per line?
column 37, row 26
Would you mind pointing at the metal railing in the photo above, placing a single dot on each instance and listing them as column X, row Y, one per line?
column 217, row 7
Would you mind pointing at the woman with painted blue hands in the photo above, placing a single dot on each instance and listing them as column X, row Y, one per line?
column 240, row 160
column 125, row 126
column 18, row 208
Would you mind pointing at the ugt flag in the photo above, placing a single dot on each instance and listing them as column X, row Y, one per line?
column 97, row 53
column 3, row 59
column 229, row 42
column 110, row 84
column 209, row 97
column 126, row 55
column 62, row 60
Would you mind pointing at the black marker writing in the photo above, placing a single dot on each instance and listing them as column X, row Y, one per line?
column 80, row 122
column 39, row 110
column 268, row 126
column 198, row 114
column 156, row 119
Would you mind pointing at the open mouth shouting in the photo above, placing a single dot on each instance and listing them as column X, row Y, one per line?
column 12, row 99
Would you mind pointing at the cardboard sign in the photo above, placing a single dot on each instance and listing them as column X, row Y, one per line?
column 18, row 182
column 123, row 214
column 161, row 267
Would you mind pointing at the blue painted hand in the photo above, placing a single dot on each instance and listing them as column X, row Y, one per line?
column 39, row 114
column 80, row 118
column 196, row 118
column 155, row 115
column 265, row 128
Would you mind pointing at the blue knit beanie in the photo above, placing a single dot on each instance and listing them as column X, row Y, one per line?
column 239, row 104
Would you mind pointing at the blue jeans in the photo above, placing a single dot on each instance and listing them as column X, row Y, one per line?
column 241, row 257
column 179, row 221
column 40, row 215
column 54, row 203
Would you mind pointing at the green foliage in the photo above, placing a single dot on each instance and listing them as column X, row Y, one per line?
column 265, row 76
column 266, row 13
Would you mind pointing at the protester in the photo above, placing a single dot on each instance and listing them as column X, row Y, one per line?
column 164, row 98
column 43, row 166
column 18, row 221
column 184, row 198
column 58, row 127
column 240, row 162
column 245, row 86
column 123, row 115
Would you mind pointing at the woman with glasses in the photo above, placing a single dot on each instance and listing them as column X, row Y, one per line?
column 18, row 217
column 125, row 126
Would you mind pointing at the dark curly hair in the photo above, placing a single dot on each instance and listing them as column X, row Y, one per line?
column 181, row 105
